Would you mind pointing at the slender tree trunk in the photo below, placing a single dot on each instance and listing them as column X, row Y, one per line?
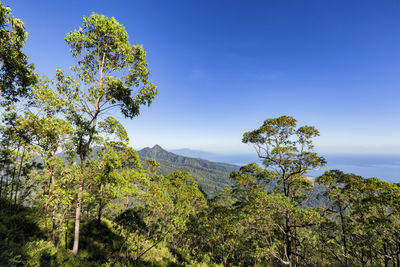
column 13, row 176
column 6, row 180
column 18, row 177
column 66, row 235
column 344, row 237
column 79, row 197
column 60, row 224
column 77, row 218
column 386, row 257
column 3, row 170
column 99, row 214
column 58, row 231
column 78, row 208
column 295, row 246
column 57, row 245
column 53, row 234
column 53, row 215
column 83, row 155
column 288, row 243
column 100, row 205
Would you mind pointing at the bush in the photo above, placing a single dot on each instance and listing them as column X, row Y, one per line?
column 39, row 253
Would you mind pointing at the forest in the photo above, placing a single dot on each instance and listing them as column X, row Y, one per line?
column 74, row 193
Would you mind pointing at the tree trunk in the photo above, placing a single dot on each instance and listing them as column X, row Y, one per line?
column 13, row 176
column 344, row 237
column 100, row 205
column 83, row 155
column 53, row 234
column 18, row 177
column 295, row 245
column 3, row 170
column 99, row 215
column 386, row 257
column 2, row 177
column 288, row 243
column 393, row 262
column 66, row 235
column 53, row 218
column 77, row 218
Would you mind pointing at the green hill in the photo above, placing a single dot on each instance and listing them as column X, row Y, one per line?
column 211, row 176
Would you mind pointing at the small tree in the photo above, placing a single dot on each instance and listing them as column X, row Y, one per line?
column 49, row 136
column 117, row 172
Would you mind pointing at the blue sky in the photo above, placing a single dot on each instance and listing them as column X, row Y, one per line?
column 223, row 67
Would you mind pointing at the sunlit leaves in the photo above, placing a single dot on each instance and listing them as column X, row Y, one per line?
column 16, row 74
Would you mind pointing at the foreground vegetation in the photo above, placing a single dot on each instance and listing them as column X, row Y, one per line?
column 73, row 193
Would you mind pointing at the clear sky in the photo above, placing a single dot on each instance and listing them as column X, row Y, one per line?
column 224, row 66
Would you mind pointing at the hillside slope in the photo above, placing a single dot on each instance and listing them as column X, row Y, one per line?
column 211, row 176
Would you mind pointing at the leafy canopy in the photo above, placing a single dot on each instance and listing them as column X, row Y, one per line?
column 16, row 74
column 113, row 71
column 285, row 149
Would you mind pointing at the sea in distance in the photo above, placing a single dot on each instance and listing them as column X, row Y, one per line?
column 384, row 167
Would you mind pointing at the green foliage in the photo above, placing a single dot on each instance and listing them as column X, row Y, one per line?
column 109, row 73
column 16, row 229
column 102, row 48
column 16, row 74
column 38, row 253
column 286, row 149
column 68, row 174
column 362, row 223
column 288, row 152
column 99, row 241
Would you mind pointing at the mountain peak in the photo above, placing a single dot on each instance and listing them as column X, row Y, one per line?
column 157, row 147
column 211, row 176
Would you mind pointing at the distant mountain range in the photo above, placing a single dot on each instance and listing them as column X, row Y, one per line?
column 192, row 153
column 238, row 159
column 211, row 176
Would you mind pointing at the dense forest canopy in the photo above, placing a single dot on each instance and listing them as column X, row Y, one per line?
column 74, row 193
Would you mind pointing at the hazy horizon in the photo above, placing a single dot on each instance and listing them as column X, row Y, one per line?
column 382, row 166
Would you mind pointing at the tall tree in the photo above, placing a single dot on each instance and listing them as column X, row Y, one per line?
column 110, row 73
column 288, row 151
